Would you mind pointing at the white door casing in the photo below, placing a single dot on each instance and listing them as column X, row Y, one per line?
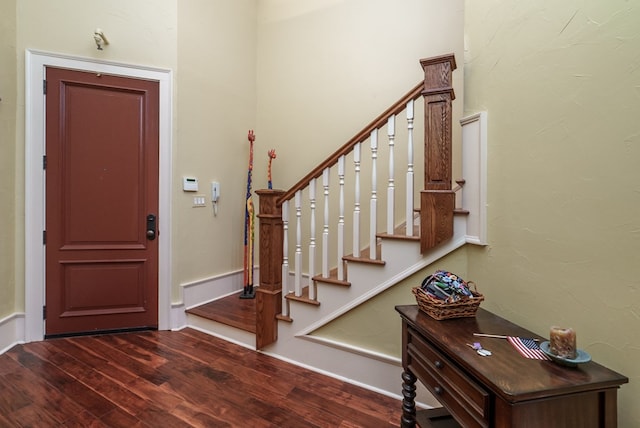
column 35, row 65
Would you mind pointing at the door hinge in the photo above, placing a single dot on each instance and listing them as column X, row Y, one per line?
column 44, row 312
column 44, row 161
column 44, row 87
column 44, row 237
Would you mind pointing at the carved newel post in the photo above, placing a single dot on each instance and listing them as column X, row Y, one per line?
column 437, row 200
column 269, row 294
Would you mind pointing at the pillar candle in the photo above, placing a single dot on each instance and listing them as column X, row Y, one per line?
column 562, row 342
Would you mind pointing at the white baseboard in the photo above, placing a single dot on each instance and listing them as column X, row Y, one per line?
column 11, row 331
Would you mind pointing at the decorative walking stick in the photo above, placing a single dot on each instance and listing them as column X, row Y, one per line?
column 272, row 156
column 248, row 291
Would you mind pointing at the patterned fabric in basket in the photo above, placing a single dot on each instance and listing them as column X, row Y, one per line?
column 445, row 295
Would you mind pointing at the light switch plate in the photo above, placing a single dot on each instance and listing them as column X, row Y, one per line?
column 199, row 201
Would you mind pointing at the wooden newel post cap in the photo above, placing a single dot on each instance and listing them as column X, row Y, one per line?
column 269, row 201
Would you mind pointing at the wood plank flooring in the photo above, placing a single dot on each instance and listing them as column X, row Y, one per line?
column 174, row 379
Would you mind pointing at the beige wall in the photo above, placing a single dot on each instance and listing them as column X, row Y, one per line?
column 216, row 108
column 327, row 68
column 561, row 84
column 8, row 210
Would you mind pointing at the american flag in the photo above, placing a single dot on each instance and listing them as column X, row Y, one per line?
column 528, row 348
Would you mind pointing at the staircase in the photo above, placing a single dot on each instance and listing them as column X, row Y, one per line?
column 308, row 279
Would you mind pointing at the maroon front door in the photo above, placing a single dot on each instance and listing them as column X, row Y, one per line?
column 101, row 202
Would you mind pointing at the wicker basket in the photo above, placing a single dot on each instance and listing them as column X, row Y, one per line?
column 441, row 310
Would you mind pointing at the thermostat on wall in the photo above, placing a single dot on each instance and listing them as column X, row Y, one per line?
column 190, row 184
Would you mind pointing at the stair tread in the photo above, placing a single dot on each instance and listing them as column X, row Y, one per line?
column 304, row 298
column 332, row 279
column 230, row 310
column 284, row 318
column 364, row 257
column 400, row 232
column 352, row 258
column 415, row 237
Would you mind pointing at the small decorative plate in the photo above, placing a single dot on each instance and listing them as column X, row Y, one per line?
column 581, row 356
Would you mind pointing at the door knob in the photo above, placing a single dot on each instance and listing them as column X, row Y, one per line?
column 151, row 227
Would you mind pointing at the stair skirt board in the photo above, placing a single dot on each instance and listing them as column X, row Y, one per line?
column 373, row 371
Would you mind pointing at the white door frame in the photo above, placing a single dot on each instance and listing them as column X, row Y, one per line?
column 35, row 179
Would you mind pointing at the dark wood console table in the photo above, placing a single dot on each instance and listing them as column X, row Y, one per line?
column 503, row 390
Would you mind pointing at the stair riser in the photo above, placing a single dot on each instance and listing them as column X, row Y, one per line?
column 226, row 332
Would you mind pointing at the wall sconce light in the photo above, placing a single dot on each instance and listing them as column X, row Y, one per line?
column 100, row 38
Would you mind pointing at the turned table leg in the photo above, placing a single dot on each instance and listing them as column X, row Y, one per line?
column 408, row 419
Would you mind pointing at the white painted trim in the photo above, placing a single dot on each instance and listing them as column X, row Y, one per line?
column 178, row 317
column 474, row 171
column 354, row 349
column 35, row 63
column 11, row 331
column 205, row 290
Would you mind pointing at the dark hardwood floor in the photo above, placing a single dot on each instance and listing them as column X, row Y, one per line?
column 174, row 379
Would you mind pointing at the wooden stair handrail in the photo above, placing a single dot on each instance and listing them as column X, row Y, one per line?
column 378, row 122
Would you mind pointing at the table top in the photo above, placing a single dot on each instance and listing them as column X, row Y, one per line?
column 506, row 372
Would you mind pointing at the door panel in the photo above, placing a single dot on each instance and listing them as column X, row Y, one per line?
column 101, row 183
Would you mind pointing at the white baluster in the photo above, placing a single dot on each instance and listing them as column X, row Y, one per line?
column 298, row 255
column 341, row 219
column 325, row 230
column 373, row 204
column 356, row 207
column 312, row 239
column 391, row 133
column 285, row 258
column 409, row 201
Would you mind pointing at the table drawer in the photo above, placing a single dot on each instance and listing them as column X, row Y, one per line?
column 460, row 394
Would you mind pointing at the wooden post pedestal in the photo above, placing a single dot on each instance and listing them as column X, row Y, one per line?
column 269, row 294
